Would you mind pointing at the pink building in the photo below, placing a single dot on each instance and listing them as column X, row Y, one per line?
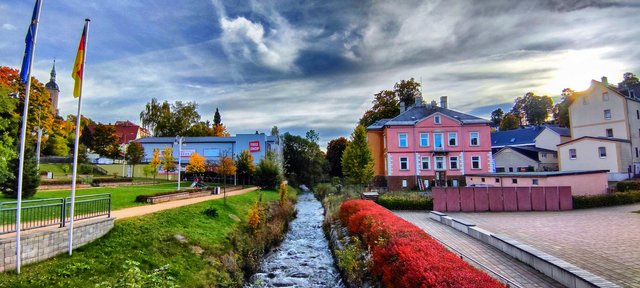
column 427, row 145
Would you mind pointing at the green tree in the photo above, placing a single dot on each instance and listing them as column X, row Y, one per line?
column 407, row 91
column 86, row 137
column 496, row 116
column 105, row 141
column 630, row 79
column 134, row 155
column 335, row 149
column 303, row 160
column 8, row 134
column 534, row 109
column 30, row 177
column 217, row 119
column 357, row 159
column 385, row 105
column 561, row 110
column 199, row 129
column 168, row 120
column 312, row 136
column 57, row 146
column 245, row 167
column 268, row 173
column 168, row 162
column 509, row 122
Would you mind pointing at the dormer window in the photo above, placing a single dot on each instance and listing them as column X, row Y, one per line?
column 436, row 119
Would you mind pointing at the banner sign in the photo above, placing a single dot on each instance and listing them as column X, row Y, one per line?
column 254, row 146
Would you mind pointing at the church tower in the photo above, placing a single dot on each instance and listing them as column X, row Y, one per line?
column 53, row 89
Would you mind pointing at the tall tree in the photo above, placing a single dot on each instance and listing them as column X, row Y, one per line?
column 335, row 149
column 534, row 109
column 385, row 105
column 56, row 146
column 105, row 141
column 630, row 79
column 168, row 162
column 226, row 167
column 357, row 159
column 155, row 162
column 8, row 134
column 30, row 176
column 303, row 160
column 168, row 120
column 268, row 173
column 87, row 137
column 134, row 155
column 199, row 129
column 312, row 136
column 496, row 116
column 220, row 130
column 509, row 122
column 561, row 110
column 407, row 91
column 245, row 167
column 217, row 119
column 196, row 163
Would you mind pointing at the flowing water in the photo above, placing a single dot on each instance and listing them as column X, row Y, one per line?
column 303, row 259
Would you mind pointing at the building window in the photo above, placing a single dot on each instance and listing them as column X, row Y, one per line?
column 424, row 139
column 426, row 162
column 455, row 183
column 453, row 139
column 510, row 169
column 436, row 119
column 605, row 96
column 404, row 183
column 497, row 180
column 474, row 138
column 500, row 169
column 437, row 141
column 585, row 101
column 602, row 151
column 514, row 181
column 453, row 162
column 404, row 163
column 610, row 132
column 475, row 162
column 535, row 182
column 573, row 154
column 638, row 114
column 439, row 163
column 402, row 140
column 544, row 155
column 637, row 152
column 482, row 180
column 607, row 114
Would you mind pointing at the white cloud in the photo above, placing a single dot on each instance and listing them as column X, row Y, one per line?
column 7, row 26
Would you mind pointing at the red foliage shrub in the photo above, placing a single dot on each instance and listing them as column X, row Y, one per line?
column 406, row 256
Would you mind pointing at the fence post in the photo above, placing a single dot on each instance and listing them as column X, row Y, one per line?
column 63, row 212
column 109, row 206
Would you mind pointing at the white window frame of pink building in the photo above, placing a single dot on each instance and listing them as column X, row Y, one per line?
column 435, row 142
column 401, row 137
column 476, row 137
column 476, row 160
column 424, row 139
column 425, row 160
column 443, row 162
column 406, row 162
column 452, row 136
column 437, row 120
column 454, row 160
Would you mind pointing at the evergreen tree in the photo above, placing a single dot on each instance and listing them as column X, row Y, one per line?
column 357, row 159
column 30, row 179
column 217, row 120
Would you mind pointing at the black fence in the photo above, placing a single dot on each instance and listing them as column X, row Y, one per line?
column 52, row 212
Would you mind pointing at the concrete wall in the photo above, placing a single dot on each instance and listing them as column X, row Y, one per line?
column 581, row 184
column 43, row 244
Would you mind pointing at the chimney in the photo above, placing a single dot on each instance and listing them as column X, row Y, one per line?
column 419, row 101
column 443, row 102
column 402, row 107
column 604, row 80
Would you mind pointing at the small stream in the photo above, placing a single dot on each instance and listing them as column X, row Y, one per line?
column 303, row 259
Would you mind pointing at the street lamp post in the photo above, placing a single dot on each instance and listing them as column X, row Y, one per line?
column 38, row 148
column 179, row 142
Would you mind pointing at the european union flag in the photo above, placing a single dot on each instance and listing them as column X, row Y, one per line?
column 30, row 40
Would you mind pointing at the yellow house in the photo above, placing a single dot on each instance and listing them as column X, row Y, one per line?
column 605, row 132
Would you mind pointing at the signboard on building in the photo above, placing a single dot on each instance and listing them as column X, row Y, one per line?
column 254, row 146
column 186, row 153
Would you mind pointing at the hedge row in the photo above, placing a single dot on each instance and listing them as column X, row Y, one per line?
column 143, row 198
column 405, row 201
column 613, row 199
column 79, row 181
column 624, row 186
column 404, row 255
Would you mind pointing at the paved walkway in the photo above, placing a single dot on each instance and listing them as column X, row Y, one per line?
column 488, row 256
column 603, row 241
column 148, row 209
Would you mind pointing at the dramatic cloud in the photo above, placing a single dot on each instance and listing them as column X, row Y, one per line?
column 305, row 65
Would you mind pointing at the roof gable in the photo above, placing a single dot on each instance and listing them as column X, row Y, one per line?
column 522, row 136
column 417, row 114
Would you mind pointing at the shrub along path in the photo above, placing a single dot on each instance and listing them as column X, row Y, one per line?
column 147, row 209
column 603, row 241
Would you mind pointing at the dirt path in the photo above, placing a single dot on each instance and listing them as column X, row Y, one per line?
column 148, row 209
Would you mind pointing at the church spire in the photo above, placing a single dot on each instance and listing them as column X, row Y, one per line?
column 53, row 71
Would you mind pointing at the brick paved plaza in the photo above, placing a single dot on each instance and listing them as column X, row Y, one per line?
column 603, row 241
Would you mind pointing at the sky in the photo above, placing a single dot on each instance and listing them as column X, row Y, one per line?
column 304, row 65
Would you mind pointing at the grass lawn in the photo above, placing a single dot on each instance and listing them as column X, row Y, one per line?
column 148, row 240
column 121, row 197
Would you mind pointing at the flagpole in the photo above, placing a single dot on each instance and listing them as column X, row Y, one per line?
column 77, row 140
column 23, row 139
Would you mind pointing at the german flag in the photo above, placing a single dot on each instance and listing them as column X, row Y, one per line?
column 78, row 66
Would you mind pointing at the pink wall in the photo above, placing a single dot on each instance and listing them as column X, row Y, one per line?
column 581, row 184
column 498, row 199
column 447, row 125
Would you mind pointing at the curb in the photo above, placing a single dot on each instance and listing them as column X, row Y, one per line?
column 557, row 269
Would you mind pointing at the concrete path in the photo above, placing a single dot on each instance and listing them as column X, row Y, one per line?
column 148, row 209
column 603, row 241
column 505, row 265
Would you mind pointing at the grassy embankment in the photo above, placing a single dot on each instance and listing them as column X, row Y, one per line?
column 149, row 243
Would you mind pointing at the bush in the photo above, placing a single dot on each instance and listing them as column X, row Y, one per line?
column 613, row 199
column 30, row 176
column 211, row 212
column 624, row 186
column 405, row 201
column 268, row 174
column 85, row 169
column 322, row 190
column 404, row 255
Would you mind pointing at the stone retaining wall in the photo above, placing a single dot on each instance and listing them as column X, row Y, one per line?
column 176, row 196
column 46, row 243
